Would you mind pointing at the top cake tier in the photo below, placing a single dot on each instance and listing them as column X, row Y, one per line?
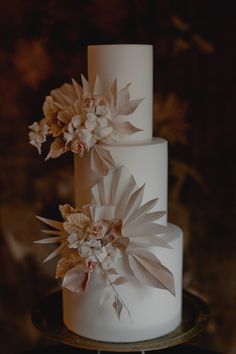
column 128, row 64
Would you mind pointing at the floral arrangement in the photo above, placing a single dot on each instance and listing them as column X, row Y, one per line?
column 78, row 118
column 94, row 239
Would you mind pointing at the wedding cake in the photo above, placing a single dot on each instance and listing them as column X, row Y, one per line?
column 120, row 260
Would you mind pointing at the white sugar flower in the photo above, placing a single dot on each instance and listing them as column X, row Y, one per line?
column 87, row 138
column 100, row 255
column 101, row 111
column 93, row 250
column 99, row 127
column 73, row 131
column 102, row 122
column 79, row 147
column 75, row 238
column 91, row 121
column 97, row 230
column 113, row 255
column 102, row 133
column 38, row 134
column 76, row 121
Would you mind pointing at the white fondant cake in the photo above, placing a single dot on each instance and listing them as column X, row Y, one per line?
column 120, row 259
column 154, row 312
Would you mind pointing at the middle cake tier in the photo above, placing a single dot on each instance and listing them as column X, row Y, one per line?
column 148, row 163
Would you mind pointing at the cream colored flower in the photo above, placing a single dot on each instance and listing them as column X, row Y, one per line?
column 101, row 110
column 78, row 147
column 73, row 131
column 76, row 222
column 97, row 230
column 75, row 238
column 92, row 250
column 91, row 121
column 38, row 134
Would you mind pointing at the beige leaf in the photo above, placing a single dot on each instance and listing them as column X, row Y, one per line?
column 148, row 270
column 148, row 240
column 130, row 107
column 85, row 84
column 133, row 203
column 112, row 271
column 62, row 268
column 53, row 232
column 50, row 240
column 148, row 217
column 142, row 210
column 148, row 228
column 97, row 89
column 101, row 160
column 56, row 252
column 57, row 148
column 117, row 305
column 126, row 128
column 53, row 223
column 120, row 281
column 123, row 97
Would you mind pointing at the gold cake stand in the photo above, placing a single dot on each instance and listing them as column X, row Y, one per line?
column 47, row 317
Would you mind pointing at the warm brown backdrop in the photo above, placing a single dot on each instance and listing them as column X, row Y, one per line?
column 43, row 44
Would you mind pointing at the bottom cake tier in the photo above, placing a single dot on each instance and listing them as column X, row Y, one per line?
column 149, row 312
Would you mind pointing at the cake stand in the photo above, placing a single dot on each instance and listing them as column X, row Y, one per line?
column 47, row 317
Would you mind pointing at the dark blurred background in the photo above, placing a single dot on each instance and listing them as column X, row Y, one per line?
column 43, row 44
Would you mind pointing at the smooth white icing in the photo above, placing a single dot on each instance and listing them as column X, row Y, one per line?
column 129, row 64
column 154, row 312
column 142, row 160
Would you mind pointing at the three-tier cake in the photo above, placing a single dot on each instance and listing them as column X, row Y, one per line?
column 120, row 259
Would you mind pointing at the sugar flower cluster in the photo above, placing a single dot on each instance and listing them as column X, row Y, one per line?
column 110, row 230
column 76, row 118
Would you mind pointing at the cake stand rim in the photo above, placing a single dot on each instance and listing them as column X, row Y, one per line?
column 175, row 337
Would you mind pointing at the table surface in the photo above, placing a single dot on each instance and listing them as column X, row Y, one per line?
column 65, row 349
